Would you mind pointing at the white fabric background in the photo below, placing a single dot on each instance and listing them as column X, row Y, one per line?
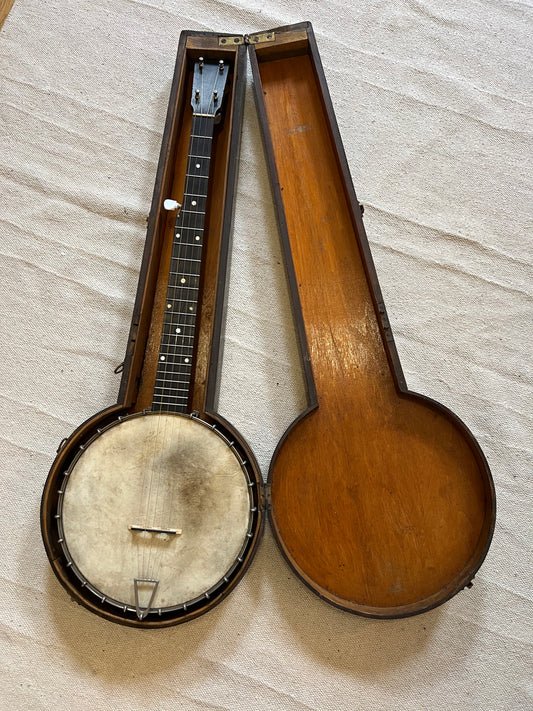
column 434, row 105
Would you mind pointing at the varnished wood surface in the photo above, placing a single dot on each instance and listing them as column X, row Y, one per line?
column 381, row 500
column 5, row 9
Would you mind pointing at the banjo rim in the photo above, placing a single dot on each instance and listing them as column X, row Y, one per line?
column 69, row 452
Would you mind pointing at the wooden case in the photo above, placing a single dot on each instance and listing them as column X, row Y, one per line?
column 380, row 499
column 345, row 530
column 140, row 363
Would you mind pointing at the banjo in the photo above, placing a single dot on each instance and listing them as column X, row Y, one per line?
column 155, row 513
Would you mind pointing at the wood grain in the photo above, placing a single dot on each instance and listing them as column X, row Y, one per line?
column 381, row 500
column 5, row 9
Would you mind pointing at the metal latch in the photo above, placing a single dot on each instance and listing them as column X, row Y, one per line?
column 227, row 41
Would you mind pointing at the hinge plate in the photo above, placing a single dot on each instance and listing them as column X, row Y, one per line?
column 267, row 497
column 228, row 41
column 263, row 37
column 232, row 40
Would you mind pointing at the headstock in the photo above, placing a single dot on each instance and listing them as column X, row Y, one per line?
column 208, row 86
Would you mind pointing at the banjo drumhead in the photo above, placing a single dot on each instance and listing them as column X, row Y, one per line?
column 155, row 511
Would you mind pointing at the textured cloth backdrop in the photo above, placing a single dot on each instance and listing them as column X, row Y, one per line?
column 433, row 101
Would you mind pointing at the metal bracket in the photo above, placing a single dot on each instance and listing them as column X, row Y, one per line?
column 267, row 497
column 228, row 41
column 385, row 322
column 232, row 40
column 62, row 444
column 257, row 39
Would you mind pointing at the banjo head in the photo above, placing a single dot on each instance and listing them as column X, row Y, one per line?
column 155, row 515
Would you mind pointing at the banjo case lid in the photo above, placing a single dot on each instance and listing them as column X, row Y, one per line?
column 316, row 204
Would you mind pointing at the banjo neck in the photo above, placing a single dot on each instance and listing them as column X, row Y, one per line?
column 176, row 350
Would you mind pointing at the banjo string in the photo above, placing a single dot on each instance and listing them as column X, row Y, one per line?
column 199, row 126
column 161, row 428
column 184, row 252
column 156, row 547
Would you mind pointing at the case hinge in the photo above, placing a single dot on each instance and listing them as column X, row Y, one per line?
column 258, row 39
column 267, row 497
column 385, row 322
column 229, row 40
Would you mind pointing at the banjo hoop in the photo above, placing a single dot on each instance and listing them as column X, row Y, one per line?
column 222, row 569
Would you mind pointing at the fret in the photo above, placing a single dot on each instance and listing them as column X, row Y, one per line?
column 169, row 341
column 174, row 381
column 174, row 368
column 162, row 379
column 181, row 247
column 187, row 348
column 180, row 281
column 176, row 364
column 190, row 286
column 167, row 387
column 184, row 274
column 172, row 329
column 175, row 345
column 173, row 291
column 172, row 333
column 183, row 313
column 179, row 349
column 182, row 301
column 186, row 259
column 164, row 403
column 181, row 240
column 165, row 400
column 175, row 335
column 181, row 258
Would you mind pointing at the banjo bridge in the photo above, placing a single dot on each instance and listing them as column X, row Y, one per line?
column 154, row 529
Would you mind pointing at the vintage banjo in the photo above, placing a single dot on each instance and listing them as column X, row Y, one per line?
column 153, row 516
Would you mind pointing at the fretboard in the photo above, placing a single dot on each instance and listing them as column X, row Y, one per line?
column 175, row 363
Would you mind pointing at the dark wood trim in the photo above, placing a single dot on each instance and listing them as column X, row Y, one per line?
column 312, row 400
column 217, row 341
column 140, row 319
